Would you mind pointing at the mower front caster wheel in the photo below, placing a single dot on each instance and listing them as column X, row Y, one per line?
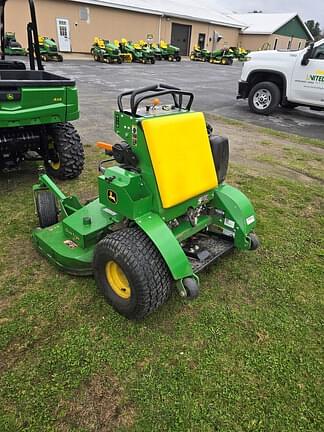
column 254, row 241
column 46, row 208
column 131, row 273
column 191, row 286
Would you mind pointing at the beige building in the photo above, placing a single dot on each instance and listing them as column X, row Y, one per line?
column 74, row 24
column 273, row 31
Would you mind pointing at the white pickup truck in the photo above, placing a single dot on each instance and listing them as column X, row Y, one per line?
column 286, row 78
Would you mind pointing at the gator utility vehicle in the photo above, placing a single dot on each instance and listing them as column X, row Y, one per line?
column 164, row 211
column 48, row 49
column 35, row 110
column 286, row 78
column 105, row 51
column 12, row 46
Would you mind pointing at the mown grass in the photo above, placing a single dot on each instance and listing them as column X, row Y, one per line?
column 245, row 356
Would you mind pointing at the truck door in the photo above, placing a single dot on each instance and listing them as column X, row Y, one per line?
column 308, row 81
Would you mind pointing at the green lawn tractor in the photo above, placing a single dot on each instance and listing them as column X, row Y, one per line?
column 156, row 51
column 48, row 49
column 222, row 56
column 12, row 47
column 169, row 52
column 163, row 212
column 239, row 53
column 105, row 51
column 35, row 110
column 198, row 54
column 136, row 52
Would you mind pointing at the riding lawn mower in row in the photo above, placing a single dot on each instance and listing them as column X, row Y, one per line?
column 12, row 46
column 48, row 49
column 105, row 51
column 164, row 211
column 220, row 56
column 36, row 110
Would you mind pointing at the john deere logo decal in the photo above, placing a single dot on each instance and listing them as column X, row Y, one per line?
column 10, row 97
column 112, row 196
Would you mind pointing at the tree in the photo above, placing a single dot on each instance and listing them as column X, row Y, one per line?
column 314, row 28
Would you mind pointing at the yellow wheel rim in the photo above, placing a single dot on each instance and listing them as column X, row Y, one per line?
column 56, row 165
column 118, row 280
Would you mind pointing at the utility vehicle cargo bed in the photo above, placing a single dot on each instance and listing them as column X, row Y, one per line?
column 32, row 78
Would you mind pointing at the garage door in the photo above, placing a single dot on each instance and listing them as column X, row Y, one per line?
column 180, row 37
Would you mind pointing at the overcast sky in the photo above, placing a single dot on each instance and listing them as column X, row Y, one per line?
column 307, row 9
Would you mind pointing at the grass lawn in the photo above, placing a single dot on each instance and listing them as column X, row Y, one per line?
column 247, row 355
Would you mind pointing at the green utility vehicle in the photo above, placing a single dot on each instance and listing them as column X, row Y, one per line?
column 12, row 47
column 169, row 52
column 105, row 51
column 35, row 110
column 163, row 212
column 222, row 56
column 48, row 49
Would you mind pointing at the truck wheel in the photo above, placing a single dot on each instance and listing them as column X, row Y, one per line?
column 131, row 273
column 264, row 98
column 65, row 152
column 46, row 208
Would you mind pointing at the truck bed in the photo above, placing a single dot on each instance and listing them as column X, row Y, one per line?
column 32, row 78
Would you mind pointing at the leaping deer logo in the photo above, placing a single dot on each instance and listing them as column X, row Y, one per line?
column 112, row 196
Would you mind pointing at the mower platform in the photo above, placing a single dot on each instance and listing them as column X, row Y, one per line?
column 202, row 250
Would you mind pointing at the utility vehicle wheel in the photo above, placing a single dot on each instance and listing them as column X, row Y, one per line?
column 65, row 151
column 264, row 98
column 131, row 273
column 46, row 209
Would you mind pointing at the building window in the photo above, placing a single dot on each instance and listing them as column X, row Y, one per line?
column 275, row 44
column 84, row 14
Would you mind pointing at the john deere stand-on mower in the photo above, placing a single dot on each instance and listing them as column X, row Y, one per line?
column 48, row 49
column 12, row 47
column 105, row 51
column 163, row 212
column 35, row 110
column 169, row 52
column 198, row 54
column 222, row 56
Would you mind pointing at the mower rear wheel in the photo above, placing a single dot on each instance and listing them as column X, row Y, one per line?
column 65, row 151
column 254, row 241
column 131, row 273
column 46, row 207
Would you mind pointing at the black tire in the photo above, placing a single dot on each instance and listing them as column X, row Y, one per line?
column 178, row 58
column 269, row 88
column 119, row 60
column 46, row 208
column 142, row 264
column 152, row 61
column 67, row 154
column 254, row 241
column 230, row 61
column 59, row 58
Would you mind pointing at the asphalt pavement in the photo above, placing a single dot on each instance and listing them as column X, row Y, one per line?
column 214, row 86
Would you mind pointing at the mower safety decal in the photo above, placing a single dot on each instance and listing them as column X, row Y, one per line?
column 230, row 223
column 250, row 220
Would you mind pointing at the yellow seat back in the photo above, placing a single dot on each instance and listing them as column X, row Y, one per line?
column 181, row 156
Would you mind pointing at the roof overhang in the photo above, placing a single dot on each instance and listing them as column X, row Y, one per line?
column 116, row 5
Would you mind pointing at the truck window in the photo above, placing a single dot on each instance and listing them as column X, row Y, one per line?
column 319, row 53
